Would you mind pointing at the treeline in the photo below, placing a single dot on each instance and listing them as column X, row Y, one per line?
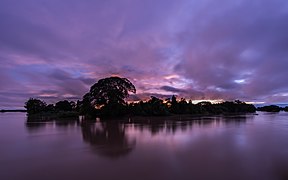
column 156, row 106
column 153, row 107
column 63, row 108
column 272, row 108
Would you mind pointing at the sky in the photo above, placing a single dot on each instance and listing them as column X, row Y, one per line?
column 197, row 49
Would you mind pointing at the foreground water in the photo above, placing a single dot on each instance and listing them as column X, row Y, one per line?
column 232, row 147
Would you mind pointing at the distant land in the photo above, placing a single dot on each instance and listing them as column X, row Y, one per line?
column 269, row 104
column 12, row 110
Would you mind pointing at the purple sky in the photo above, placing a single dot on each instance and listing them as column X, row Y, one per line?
column 198, row 49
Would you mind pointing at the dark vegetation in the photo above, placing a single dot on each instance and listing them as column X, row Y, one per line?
column 272, row 108
column 158, row 107
column 106, row 98
column 62, row 109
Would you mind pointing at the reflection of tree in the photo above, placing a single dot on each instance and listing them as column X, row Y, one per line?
column 34, row 126
column 156, row 125
column 182, row 123
column 236, row 120
column 34, row 123
column 66, row 123
column 108, row 139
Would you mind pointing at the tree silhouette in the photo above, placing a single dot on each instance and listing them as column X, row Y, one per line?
column 108, row 95
column 85, row 106
column 271, row 108
column 64, row 105
column 35, row 106
column 112, row 90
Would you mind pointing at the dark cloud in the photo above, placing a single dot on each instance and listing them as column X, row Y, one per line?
column 147, row 96
column 172, row 89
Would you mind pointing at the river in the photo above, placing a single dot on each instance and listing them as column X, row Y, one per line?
column 240, row 147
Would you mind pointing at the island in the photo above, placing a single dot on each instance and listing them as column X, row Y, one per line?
column 107, row 98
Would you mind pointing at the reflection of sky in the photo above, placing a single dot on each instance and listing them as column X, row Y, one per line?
column 194, row 49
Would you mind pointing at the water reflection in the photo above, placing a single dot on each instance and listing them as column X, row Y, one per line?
column 114, row 139
column 155, row 125
column 33, row 124
column 36, row 124
column 178, row 147
column 107, row 139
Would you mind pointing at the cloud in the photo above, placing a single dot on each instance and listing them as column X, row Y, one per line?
column 198, row 49
column 172, row 89
column 231, row 44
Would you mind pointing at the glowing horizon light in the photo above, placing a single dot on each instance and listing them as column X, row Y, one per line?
column 115, row 75
column 209, row 100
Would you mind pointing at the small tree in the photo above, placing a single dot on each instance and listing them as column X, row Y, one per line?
column 35, row 106
column 64, row 106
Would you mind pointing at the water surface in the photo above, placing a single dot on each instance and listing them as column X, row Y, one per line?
column 231, row 147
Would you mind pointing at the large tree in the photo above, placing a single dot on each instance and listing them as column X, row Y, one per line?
column 110, row 91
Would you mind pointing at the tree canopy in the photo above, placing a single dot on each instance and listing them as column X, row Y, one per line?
column 64, row 105
column 35, row 106
column 112, row 90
